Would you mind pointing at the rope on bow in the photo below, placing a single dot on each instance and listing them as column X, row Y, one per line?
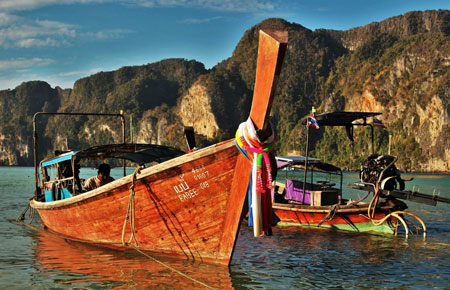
column 130, row 216
column 399, row 215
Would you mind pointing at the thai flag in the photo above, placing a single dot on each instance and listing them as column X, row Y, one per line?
column 378, row 123
column 312, row 122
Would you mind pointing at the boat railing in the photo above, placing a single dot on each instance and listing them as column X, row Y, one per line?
column 319, row 179
column 291, row 191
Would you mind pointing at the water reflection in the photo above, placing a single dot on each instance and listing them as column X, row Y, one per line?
column 293, row 258
column 303, row 258
column 72, row 264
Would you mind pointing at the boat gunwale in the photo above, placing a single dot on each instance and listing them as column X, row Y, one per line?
column 325, row 209
column 177, row 161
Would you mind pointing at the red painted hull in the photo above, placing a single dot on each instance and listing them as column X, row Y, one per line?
column 189, row 206
column 352, row 218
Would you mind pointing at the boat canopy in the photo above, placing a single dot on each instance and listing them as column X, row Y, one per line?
column 347, row 120
column 58, row 159
column 139, row 153
column 299, row 162
column 343, row 118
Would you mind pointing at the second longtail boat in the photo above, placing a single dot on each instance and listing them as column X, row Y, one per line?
column 315, row 200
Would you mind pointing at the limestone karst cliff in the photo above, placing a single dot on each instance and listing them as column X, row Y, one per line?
column 399, row 66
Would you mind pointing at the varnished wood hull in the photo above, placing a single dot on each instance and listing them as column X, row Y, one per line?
column 189, row 206
column 352, row 219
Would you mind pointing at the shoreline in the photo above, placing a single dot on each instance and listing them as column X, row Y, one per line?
column 344, row 171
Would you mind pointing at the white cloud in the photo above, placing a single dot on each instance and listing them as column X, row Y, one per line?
column 284, row 15
column 25, row 33
column 68, row 78
column 63, row 80
column 108, row 34
column 95, row 70
column 33, row 42
column 20, row 32
column 70, row 73
column 6, row 19
column 223, row 5
column 200, row 20
column 21, row 63
column 9, row 83
column 80, row 72
column 18, row 5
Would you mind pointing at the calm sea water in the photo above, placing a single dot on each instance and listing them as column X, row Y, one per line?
column 293, row 258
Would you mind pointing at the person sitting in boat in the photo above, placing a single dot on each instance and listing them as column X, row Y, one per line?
column 100, row 179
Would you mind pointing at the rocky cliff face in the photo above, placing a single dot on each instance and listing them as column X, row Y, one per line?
column 400, row 27
column 13, row 150
column 195, row 110
column 412, row 90
column 17, row 108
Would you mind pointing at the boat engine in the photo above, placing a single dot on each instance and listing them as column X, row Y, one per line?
column 375, row 165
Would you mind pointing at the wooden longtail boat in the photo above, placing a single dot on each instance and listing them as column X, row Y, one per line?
column 322, row 206
column 188, row 206
column 318, row 203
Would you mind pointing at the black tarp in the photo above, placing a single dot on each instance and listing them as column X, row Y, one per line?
column 139, row 153
column 342, row 118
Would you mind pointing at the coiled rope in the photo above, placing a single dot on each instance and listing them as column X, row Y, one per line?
column 371, row 209
column 335, row 208
column 397, row 214
column 130, row 216
column 31, row 214
column 330, row 215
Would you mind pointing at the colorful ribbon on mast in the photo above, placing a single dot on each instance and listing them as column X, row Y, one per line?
column 257, row 151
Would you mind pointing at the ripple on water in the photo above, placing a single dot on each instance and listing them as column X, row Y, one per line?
column 293, row 258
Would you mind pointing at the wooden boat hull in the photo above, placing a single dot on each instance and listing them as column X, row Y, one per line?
column 352, row 219
column 189, row 206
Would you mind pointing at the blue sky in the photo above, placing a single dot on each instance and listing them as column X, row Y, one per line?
column 60, row 41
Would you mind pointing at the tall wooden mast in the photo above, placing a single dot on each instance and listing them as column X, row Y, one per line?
column 271, row 51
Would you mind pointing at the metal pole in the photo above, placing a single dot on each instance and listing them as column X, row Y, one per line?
column 123, row 140
column 373, row 144
column 35, row 138
column 306, row 162
column 74, row 181
column 390, row 144
column 131, row 129
column 36, row 174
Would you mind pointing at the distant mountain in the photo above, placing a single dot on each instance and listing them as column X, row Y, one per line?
column 399, row 66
